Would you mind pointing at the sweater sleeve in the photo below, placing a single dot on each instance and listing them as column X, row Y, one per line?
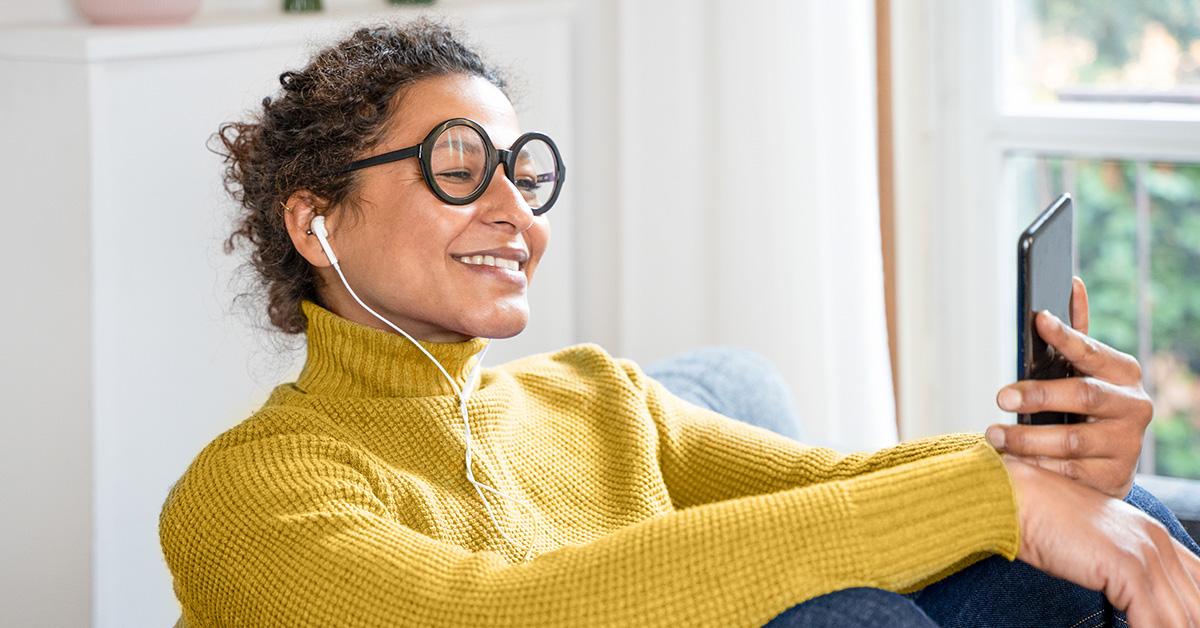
column 708, row 457
column 290, row 530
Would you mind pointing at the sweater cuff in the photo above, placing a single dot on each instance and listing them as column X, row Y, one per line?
column 972, row 512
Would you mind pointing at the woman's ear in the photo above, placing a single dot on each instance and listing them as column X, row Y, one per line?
column 298, row 213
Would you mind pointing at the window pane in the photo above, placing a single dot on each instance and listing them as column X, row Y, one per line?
column 1133, row 221
column 1129, row 51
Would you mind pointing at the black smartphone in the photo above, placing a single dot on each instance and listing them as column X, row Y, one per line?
column 1045, row 264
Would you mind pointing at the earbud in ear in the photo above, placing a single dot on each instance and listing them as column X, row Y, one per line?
column 318, row 229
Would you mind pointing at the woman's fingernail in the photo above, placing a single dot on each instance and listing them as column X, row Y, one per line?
column 1010, row 399
column 995, row 436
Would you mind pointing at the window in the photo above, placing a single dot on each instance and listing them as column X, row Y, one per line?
column 1138, row 233
column 1001, row 106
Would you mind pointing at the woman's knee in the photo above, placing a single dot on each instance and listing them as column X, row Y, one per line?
column 860, row 606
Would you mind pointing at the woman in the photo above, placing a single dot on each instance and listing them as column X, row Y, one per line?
column 396, row 214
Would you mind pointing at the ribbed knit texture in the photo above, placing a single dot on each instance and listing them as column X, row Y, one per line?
column 343, row 501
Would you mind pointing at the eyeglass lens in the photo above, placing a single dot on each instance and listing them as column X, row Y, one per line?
column 458, row 164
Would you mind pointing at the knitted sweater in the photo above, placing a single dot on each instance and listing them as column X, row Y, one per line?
column 343, row 501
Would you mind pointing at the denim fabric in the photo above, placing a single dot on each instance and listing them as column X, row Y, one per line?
column 993, row 592
column 854, row 607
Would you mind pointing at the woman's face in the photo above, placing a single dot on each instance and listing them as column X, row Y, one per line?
column 403, row 256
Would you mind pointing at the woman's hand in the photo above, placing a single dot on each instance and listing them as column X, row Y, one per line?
column 1078, row 534
column 1103, row 452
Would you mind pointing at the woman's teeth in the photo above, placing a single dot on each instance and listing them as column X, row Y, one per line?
column 488, row 260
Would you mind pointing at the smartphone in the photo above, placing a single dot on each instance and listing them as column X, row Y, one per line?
column 1045, row 264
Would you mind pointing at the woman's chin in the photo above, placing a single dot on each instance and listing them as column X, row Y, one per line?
column 506, row 333
column 499, row 325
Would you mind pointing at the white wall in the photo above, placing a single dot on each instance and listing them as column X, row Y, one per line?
column 128, row 355
column 46, row 519
column 594, row 175
column 171, row 365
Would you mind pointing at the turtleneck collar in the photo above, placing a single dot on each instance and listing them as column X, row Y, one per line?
column 348, row 359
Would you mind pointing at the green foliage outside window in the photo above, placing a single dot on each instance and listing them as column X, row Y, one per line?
column 1106, row 236
column 1151, row 44
column 1129, row 51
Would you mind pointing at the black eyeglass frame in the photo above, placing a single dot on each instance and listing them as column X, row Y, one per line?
column 493, row 156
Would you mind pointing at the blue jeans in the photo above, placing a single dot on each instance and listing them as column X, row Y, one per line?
column 993, row 592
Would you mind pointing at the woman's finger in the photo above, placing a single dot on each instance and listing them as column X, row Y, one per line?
column 1190, row 561
column 1178, row 575
column 1167, row 596
column 1173, row 586
column 1049, row 464
column 1073, row 469
column 1088, row 396
column 1189, row 592
column 1079, row 305
column 1088, row 355
column 1144, row 608
column 1106, row 476
column 1076, row 440
column 1140, row 614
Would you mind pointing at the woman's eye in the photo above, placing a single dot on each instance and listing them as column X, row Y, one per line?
column 456, row 175
column 527, row 183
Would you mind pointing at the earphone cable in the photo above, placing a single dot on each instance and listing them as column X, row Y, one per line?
column 462, row 396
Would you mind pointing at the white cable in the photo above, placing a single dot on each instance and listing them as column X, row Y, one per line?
column 462, row 393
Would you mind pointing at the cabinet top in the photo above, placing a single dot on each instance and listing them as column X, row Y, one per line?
column 240, row 30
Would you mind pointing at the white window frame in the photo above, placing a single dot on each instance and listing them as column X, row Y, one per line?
column 955, row 230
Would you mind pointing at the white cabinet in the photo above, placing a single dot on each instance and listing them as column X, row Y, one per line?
column 123, row 353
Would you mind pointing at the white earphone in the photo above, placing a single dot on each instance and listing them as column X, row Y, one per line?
column 318, row 229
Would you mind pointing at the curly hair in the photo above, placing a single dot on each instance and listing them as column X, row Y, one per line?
column 325, row 114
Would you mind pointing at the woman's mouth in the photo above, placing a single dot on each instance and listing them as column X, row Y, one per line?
column 488, row 260
column 495, row 267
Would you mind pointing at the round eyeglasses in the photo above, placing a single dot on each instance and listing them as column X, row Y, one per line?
column 458, row 161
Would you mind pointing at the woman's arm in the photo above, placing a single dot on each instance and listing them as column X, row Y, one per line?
column 708, row 457
column 1066, row 529
column 288, row 530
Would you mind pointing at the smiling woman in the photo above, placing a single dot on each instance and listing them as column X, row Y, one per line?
column 590, row 494
column 422, row 217
column 405, row 253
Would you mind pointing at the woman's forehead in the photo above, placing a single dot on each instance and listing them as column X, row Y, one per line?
column 431, row 101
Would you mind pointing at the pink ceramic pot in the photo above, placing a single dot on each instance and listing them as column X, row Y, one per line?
column 138, row 12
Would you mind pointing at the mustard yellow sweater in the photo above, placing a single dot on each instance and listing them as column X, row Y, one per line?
column 343, row 501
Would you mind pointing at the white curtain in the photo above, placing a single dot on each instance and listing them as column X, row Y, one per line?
column 746, row 197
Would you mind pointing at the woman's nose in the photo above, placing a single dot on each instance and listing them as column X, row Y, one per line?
column 505, row 203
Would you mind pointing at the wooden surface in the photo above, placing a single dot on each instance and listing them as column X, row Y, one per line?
column 883, row 76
